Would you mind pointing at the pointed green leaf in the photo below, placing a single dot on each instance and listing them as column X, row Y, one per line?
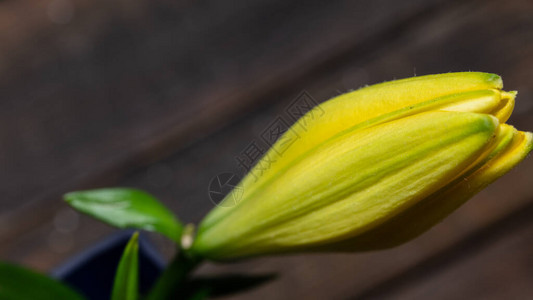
column 19, row 283
column 127, row 208
column 126, row 286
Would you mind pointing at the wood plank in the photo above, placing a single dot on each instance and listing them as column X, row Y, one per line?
column 496, row 263
column 123, row 90
column 465, row 28
column 116, row 88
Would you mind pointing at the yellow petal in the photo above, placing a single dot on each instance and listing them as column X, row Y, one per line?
column 506, row 108
column 351, row 184
column 513, row 146
column 388, row 101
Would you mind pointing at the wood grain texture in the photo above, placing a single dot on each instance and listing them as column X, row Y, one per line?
column 172, row 146
column 122, row 92
column 494, row 263
column 116, row 87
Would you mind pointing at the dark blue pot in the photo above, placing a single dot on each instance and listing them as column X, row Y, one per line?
column 92, row 272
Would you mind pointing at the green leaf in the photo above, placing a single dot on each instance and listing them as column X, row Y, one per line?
column 126, row 286
column 127, row 208
column 19, row 283
column 171, row 282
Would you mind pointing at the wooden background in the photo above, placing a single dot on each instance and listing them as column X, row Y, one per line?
column 162, row 95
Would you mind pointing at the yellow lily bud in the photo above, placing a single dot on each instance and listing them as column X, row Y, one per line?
column 380, row 166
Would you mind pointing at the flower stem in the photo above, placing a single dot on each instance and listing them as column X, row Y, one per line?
column 169, row 284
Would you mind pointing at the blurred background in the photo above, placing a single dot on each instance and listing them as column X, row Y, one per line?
column 164, row 95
